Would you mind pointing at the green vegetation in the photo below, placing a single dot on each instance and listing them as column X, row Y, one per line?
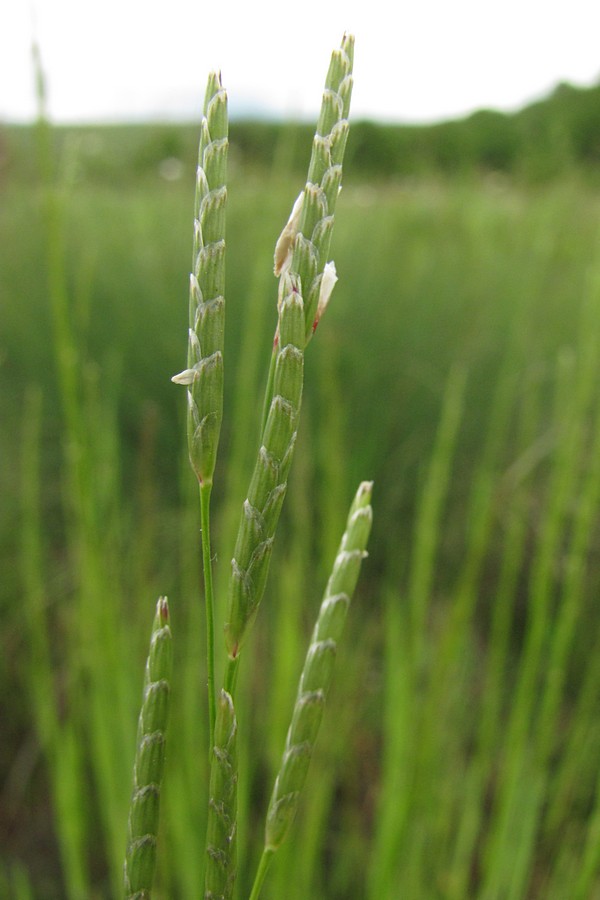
column 457, row 366
column 553, row 137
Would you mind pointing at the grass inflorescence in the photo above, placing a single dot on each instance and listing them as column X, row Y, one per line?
column 458, row 370
column 306, row 280
column 142, row 827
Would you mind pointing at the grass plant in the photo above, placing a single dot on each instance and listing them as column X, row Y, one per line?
column 306, row 281
column 466, row 336
column 204, row 374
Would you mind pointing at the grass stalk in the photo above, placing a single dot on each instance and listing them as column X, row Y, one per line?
column 428, row 520
column 209, row 604
column 397, row 762
column 231, row 675
column 203, row 376
column 585, row 878
column 527, row 746
column 261, row 872
column 58, row 739
column 91, row 644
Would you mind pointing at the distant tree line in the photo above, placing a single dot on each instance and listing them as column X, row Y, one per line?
column 541, row 141
column 538, row 142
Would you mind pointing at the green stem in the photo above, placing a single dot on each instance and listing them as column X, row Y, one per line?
column 205, row 492
column 231, row 675
column 261, row 873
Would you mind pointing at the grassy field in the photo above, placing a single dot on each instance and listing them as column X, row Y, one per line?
column 458, row 368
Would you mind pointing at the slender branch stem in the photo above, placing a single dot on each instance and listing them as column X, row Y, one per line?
column 261, row 872
column 205, row 492
column 231, row 675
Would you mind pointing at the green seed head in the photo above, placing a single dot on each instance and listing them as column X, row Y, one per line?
column 149, row 760
column 144, row 808
column 318, row 670
column 306, row 280
column 140, row 862
column 215, row 108
column 313, row 220
column 222, row 812
column 204, row 373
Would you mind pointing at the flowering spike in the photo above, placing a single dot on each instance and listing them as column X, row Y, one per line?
column 204, row 374
column 149, row 760
column 221, row 837
column 305, row 284
column 318, row 669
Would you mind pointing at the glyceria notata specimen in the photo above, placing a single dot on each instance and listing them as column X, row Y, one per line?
column 306, row 281
column 316, row 678
column 148, row 768
column 204, row 374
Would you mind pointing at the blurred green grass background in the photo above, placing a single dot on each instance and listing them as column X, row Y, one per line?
column 457, row 366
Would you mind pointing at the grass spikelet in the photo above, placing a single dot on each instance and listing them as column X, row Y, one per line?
column 300, row 262
column 142, row 825
column 222, row 826
column 324, row 178
column 268, row 485
column 204, row 374
column 318, row 669
column 316, row 677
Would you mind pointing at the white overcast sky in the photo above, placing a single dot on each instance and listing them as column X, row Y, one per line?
column 415, row 61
